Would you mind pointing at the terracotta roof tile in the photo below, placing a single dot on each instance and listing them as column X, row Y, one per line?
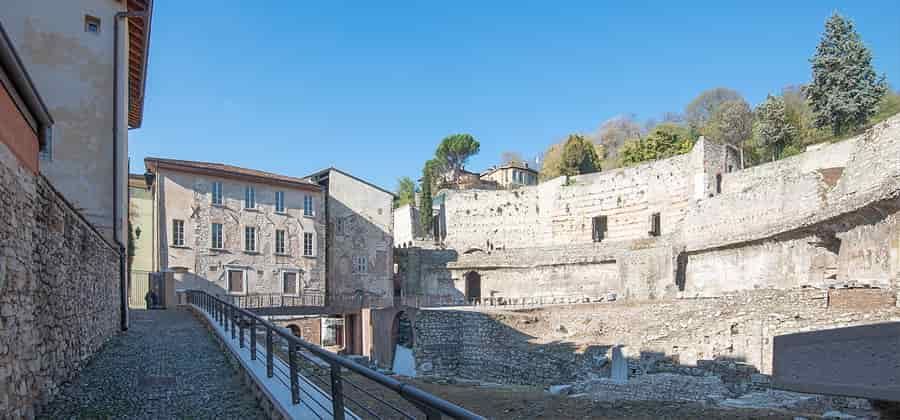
column 224, row 169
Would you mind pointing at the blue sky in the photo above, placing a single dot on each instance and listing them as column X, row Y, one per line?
column 372, row 87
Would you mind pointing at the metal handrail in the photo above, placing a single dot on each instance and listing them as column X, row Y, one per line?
column 226, row 314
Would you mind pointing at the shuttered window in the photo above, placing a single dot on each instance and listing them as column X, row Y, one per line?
column 289, row 283
column 235, row 281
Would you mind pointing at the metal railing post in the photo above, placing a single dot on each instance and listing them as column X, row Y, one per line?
column 270, row 364
column 231, row 320
column 295, row 381
column 225, row 316
column 337, row 392
column 240, row 322
column 252, row 339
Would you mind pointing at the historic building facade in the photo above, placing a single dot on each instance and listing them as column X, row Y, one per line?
column 237, row 231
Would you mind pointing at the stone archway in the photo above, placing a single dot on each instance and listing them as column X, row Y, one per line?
column 295, row 330
column 473, row 286
column 401, row 331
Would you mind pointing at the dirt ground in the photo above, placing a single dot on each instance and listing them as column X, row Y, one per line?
column 517, row 402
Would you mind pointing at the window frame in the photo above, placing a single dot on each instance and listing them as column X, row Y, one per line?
column 311, row 250
column 178, row 234
column 248, row 238
column 279, row 202
column 217, row 194
column 212, row 236
column 360, row 264
column 283, row 242
column 296, row 273
column 599, row 227
column 655, row 224
column 250, row 198
column 309, row 209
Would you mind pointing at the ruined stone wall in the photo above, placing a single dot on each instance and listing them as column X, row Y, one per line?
column 557, row 213
column 406, row 225
column 186, row 196
column 474, row 345
column 59, row 290
column 828, row 216
column 729, row 336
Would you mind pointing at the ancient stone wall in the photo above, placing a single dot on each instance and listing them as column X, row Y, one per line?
column 59, row 290
column 475, row 345
column 729, row 337
column 825, row 217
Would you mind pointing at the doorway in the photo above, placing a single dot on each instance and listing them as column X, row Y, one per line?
column 473, row 286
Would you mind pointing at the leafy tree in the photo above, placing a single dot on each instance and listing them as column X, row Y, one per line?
column 406, row 192
column 511, row 157
column 773, row 129
column 845, row 90
column 666, row 140
column 889, row 105
column 454, row 151
column 731, row 122
column 700, row 111
column 578, row 156
column 615, row 131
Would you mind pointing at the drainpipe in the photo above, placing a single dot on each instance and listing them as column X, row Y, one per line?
column 123, row 254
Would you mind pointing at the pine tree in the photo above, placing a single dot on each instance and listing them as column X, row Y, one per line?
column 578, row 156
column 772, row 126
column 845, row 90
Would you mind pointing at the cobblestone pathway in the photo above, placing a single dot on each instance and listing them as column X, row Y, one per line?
column 166, row 366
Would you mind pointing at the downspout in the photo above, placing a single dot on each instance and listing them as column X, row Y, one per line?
column 123, row 258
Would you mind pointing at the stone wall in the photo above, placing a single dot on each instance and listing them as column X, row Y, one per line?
column 474, row 345
column 729, row 336
column 59, row 290
column 822, row 218
column 406, row 225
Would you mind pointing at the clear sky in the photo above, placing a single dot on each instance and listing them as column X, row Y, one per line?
column 372, row 87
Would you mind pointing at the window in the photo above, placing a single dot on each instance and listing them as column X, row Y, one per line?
column 598, row 228
column 178, row 232
column 360, row 264
column 279, row 201
column 279, row 241
column 250, row 239
column 91, row 24
column 216, row 236
column 217, row 193
column 339, row 228
column 655, row 229
column 307, row 205
column 308, row 244
column 718, row 183
column 235, row 281
column 289, row 283
column 249, row 197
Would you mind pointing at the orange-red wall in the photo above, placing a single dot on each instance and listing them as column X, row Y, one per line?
column 15, row 132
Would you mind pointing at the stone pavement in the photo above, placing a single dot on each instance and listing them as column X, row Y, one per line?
column 166, row 366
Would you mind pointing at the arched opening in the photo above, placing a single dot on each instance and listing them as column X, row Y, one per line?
column 473, row 286
column 295, row 330
column 401, row 331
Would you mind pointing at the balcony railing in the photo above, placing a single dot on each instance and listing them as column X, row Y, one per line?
column 318, row 377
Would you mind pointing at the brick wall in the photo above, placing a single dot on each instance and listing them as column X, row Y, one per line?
column 59, row 290
column 16, row 134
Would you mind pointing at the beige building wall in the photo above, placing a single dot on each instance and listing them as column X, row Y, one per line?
column 188, row 197
column 74, row 70
column 360, row 248
column 510, row 176
column 141, row 215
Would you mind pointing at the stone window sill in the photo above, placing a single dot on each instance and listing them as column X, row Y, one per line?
column 180, row 246
column 218, row 249
column 251, row 252
column 282, row 213
column 219, row 205
column 308, row 256
column 309, row 216
column 282, row 254
column 254, row 209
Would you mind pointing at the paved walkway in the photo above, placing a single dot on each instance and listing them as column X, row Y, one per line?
column 166, row 366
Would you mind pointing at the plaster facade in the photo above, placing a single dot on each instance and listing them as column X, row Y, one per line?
column 75, row 70
column 186, row 196
column 360, row 241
